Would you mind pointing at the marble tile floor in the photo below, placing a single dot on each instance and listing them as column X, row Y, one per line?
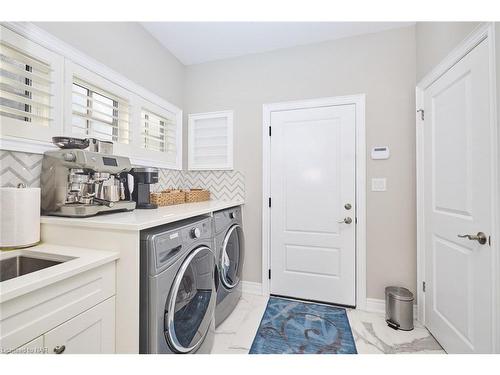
column 371, row 334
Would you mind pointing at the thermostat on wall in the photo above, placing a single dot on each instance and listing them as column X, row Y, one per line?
column 380, row 152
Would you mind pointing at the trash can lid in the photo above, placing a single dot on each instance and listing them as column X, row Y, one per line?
column 399, row 293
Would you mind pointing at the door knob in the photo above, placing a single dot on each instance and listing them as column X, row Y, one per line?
column 347, row 220
column 479, row 237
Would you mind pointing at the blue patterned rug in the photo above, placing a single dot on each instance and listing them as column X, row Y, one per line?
column 293, row 327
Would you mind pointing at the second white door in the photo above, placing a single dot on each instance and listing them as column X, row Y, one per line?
column 458, row 204
column 313, row 191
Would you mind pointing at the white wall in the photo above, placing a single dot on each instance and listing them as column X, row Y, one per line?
column 130, row 50
column 381, row 65
column 436, row 39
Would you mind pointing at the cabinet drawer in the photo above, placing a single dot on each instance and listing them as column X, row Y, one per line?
column 31, row 315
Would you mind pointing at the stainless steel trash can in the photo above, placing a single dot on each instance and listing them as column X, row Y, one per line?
column 399, row 308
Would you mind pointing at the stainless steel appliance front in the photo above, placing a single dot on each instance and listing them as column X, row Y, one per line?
column 79, row 183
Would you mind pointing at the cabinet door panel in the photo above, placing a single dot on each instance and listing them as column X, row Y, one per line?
column 92, row 332
column 33, row 347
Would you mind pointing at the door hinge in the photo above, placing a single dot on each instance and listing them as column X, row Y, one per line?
column 269, row 131
column 269, row 201
column 269, row 274
column 422, row 114
column 423, row 286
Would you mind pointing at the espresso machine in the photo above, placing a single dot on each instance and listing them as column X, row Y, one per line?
column 81, row 183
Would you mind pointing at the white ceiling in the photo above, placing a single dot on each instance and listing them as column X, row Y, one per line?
column 198, row 42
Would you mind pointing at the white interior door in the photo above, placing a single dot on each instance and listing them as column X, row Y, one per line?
column 313, row 182
column 457, row 201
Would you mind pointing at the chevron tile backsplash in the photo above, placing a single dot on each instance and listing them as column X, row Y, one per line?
column 20, row 167
column 223, row 185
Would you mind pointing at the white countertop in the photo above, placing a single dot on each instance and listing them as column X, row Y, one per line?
column 142, row 219
column 84, row 260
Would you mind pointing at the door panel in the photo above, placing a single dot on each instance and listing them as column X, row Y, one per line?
column 92, row 332
column 312, row 178
column 457, row 200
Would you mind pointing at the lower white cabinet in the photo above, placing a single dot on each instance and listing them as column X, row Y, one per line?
column 72, row 315
column 33, row 347
column 92, row 332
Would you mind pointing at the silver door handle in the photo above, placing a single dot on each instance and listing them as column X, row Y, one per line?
column 346, row 220
column 479, row 237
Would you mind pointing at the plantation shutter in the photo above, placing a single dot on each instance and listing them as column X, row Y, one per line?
column 26, row 87
column 98, row 113
column 159, row 133
column 211, row 141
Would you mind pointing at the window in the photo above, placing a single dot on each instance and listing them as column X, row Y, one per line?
column 158, row 133
column 30, row 88
column 99, row 114
column 25, row 87
column 45, row 94
column 211, row 141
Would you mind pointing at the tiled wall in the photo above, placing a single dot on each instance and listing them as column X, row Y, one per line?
column 17, row 167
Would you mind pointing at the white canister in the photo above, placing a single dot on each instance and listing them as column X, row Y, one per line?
column 19, row 217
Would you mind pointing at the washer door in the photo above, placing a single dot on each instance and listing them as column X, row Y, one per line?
column 231, row 260
column 190, row 307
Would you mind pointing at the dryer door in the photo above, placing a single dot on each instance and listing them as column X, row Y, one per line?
column 190, row 307
column 231, row 260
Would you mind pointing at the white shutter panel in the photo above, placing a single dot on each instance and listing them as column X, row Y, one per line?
column 159, row 133
column 211, row 141
column 25, row 87
column 98, row 113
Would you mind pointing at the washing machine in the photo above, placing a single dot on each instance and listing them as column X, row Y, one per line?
column 178, row 288
column 229, row 245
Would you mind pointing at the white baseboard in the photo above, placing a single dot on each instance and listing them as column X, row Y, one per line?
column 251, row 287
column 378, row 306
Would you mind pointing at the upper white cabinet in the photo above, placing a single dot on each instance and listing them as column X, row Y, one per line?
column 210, row 141
column 31, row 86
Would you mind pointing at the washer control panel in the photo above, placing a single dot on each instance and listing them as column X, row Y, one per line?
column 195, row 232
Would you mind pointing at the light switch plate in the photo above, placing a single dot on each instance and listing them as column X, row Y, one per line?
column 379, row 184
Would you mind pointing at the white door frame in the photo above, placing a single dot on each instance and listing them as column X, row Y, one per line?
column 483, row 32
column 359, row 102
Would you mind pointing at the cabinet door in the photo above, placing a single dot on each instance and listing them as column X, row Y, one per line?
column 33, row 347
column 91, row 332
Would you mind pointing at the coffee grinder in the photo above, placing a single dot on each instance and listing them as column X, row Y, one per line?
column 143, row 178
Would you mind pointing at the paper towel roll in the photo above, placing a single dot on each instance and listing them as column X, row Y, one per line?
column 19, row 217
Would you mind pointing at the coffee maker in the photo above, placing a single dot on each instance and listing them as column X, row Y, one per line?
column 81, row 183
column 143, row 178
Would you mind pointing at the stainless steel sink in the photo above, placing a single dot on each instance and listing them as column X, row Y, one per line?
column 23, row 264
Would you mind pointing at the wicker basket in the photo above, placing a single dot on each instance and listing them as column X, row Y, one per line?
column 168, row 197
column 197, row 195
